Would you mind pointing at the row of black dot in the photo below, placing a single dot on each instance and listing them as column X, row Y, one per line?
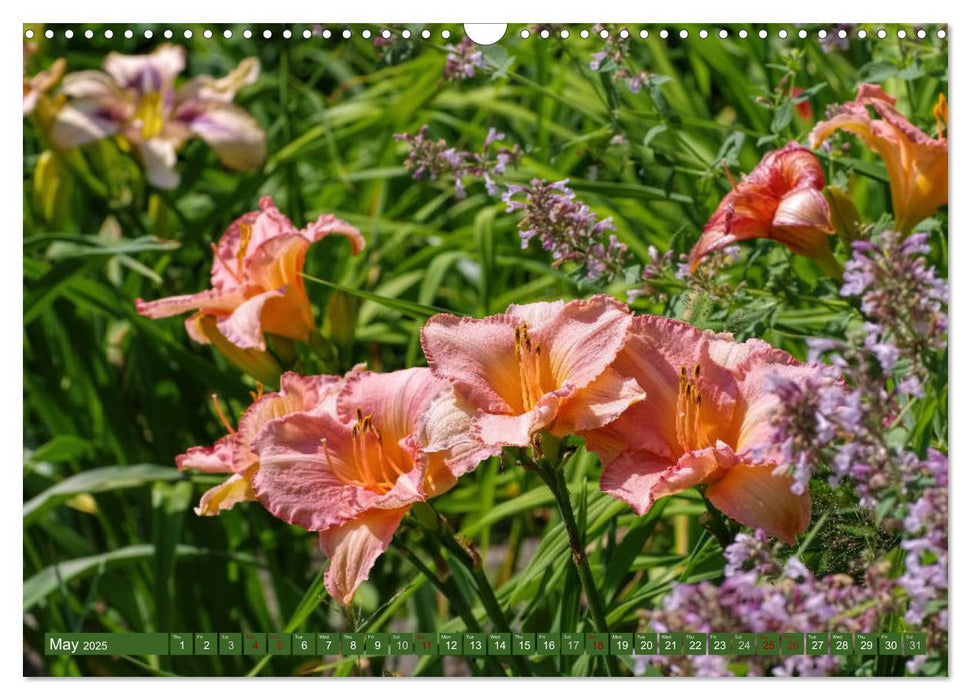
column 525, row 33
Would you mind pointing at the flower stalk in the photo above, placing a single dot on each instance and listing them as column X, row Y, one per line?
column 552, row 475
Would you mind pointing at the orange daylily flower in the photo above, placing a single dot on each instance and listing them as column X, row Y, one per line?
column 781, row 199
column 256, row 282
column 916, row 163
column 705, row 423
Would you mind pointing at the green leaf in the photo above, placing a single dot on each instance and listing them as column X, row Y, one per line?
column 98, row 481
column 46, row 581
column 409, row 308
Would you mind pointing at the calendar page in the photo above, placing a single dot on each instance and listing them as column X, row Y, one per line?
column 524, row 350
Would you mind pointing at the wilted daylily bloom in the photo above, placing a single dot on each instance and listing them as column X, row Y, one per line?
column 538, row 367
column 353, row 472
column 37, row 86
column 704, row 423
column 256, row 282
column 780, row 199
column 232, row 454
column 916, row 163
column 136, row 97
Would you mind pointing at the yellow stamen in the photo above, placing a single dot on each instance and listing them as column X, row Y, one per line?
column 151, row 113
column 690, row 427
column 530, row 369
column 369, row 465
column 222, row 416
column 245, row 235
column 258, row 394
column 216, row 256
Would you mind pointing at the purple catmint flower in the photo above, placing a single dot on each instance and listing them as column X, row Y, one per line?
column 434, row 158
column 901, row 294
column 759, row 595
column 463, row 60
column 566, row 227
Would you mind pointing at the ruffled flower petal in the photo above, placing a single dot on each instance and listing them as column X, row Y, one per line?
column 583, row 338
column 599, row 403
column 353, row 548
column 476, row 357
column 217, row 459
column 298, row 477
column 243, row 326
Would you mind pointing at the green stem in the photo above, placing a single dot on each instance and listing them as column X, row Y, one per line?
column 553, row 476
column 488, row 597
column 454, row 597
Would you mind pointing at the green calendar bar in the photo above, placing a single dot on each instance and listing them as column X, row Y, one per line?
column 254, row 644
column 768, row 644
column 793, row 644
column 523, row 644
column 817, row 644
column 596, row 643
column 645, row 643
column 402, row 643
column 915, row 643
column 841, row 643
column 500, row 644
column 377, row 644
column 106, row 644
column 571, row 643
column 328, row 643
column 621, row 643
column 719, row 643
column 426, row 644
column 671, row 643
column 695, row 643
column 450, row 643
column 475, row 644
column 230, row 644
column 891, row 644
column 278, row 643
column 743, row 644
column 304, row 644
column 180, row 644
column 548, row 643
column 206, row 643
column 352, row 644
column 865, row 644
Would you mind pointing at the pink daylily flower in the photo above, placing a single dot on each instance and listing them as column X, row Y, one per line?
column 352, row 472
column 781, row 199
column 705, row 422
column 136, row 97
column 232, row 454
column 257, row 286
column 537, row 367
column 916, row 163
